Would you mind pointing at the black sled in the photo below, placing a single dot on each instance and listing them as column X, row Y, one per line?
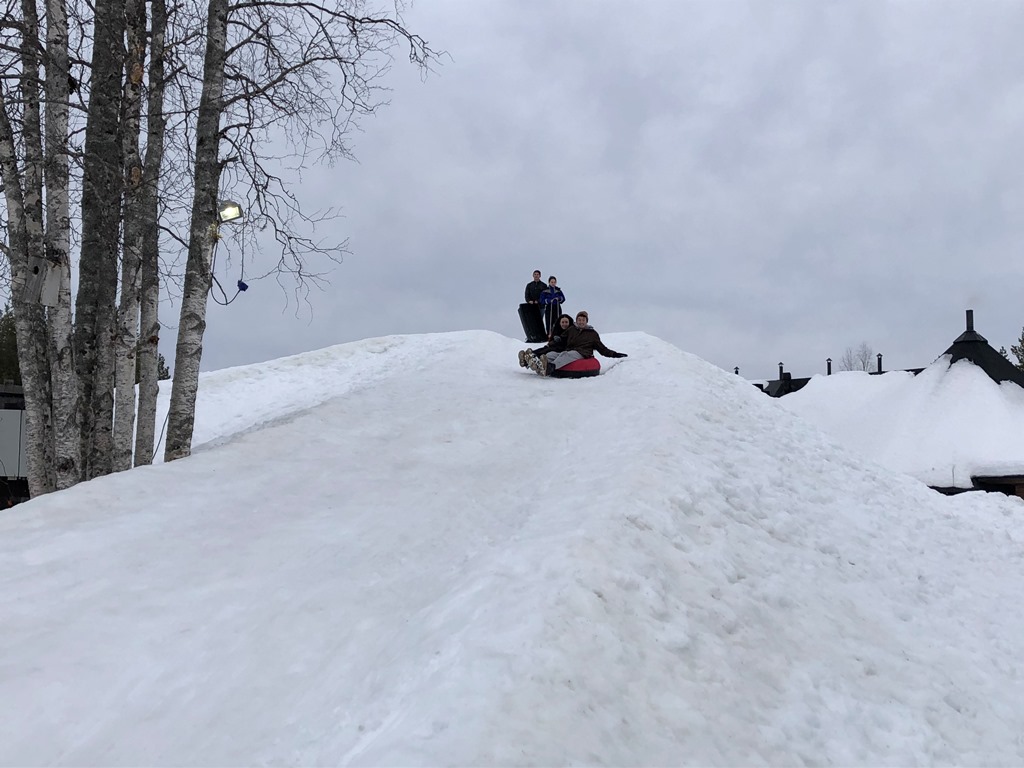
column 533, row 323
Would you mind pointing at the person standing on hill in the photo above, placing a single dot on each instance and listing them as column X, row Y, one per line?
column 530, row 311
column 551, row 301
column 534, row 289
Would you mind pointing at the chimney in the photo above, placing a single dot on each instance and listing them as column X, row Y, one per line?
column 828, row 368
column 879, row 362
column 780, row 371
column 970, row 334
column 736, row 370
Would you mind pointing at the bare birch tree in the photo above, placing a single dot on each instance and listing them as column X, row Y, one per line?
column 303, row 70
column 95, row 305
column 202, row 238
column 859, row 359
column 23, row 197
column 149, row 332
column 66, row 424
column 64, row 445
column 127, row 332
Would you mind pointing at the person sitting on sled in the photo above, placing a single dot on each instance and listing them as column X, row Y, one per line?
column 561, row 331
column 580, row 341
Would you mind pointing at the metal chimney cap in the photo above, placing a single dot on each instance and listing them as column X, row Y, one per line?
column 970, row 334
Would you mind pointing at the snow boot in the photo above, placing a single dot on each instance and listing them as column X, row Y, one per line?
column 538, row 365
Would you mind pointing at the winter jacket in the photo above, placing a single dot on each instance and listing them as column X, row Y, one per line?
column 586, row 341
column 557, row 343
column 551, row 296
column 558, row 340
column 533, row 291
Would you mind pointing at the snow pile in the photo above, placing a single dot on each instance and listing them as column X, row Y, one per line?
column 942, row 427
column 414, row 561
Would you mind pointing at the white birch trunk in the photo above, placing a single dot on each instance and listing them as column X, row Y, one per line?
column 149, row 321
column 67, row 427
column 29, row 319
column 202, row 239
column 127, row 341
column 30, row 316
column 30, row 326
column 96, row 303
column 145, row 432
column 100, row 461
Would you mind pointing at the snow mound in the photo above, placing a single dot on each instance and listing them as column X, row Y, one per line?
column 410, row 551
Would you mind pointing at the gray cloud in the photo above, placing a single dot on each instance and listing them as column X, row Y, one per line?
column 752, row 182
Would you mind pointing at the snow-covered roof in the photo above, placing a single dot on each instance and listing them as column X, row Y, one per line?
column 949, row 423
column 974, row 348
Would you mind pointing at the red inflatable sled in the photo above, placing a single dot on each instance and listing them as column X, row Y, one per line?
column 578, row 369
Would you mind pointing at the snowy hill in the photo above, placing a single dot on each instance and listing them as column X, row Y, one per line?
column 409, row 551
column 942, row 426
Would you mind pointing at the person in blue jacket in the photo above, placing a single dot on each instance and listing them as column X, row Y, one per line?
column 551, row 301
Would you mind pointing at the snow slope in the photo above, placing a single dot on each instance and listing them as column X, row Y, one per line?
column 378, row 556
column 941, row 426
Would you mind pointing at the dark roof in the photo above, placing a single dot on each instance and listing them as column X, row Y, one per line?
column 12, row 397
column 972, row 346
column 783, row 386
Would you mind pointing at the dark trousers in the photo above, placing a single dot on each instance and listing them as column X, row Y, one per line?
column 551, row 314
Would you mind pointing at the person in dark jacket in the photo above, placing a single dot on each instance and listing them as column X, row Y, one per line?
column 532, row 294
column 535, row 289
column 551, row 301
column 581, row 340
column 557, row 343
column 560, row 333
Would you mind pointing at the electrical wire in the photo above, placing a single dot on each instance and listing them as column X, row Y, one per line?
column 240, row 285
column 162, row 428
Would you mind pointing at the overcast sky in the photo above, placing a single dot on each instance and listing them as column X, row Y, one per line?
column 752, row 182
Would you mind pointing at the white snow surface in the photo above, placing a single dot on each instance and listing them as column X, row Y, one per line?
column 943, row 426
column 410, row 551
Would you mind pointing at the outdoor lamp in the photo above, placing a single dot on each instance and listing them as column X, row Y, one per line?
column 228, row 210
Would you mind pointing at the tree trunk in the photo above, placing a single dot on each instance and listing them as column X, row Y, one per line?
column 67, row 429
column 202, row 239
column 24, row 198
column 29, row 319
column 30, row 325
column 145, row 432
column 101, row 207
column 127, row 341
